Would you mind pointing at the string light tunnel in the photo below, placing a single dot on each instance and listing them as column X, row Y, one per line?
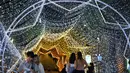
column 70, row 26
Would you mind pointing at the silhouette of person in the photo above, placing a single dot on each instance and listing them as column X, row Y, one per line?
column 64, row 69
column 91, row 68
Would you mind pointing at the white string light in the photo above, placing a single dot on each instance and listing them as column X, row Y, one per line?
column 16, row 21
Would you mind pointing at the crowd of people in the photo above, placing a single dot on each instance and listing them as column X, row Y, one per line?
column 76, row 64
column 31, row 64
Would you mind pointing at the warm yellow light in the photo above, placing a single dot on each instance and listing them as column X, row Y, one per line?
column 56, row 36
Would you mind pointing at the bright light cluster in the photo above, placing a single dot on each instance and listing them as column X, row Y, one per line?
column 66, row 21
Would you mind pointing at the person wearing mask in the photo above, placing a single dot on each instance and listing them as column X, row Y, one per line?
column 70, row 65
column 80, row 64
column 26, row 65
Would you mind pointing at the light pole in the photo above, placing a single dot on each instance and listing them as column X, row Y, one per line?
column 99, row 57
column 98, row 39
column 98, row 54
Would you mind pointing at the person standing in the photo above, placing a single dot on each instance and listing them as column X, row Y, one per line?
column 70, row 65
column 91, row 68
column 38, row 66
column 26, row 65
column 64, row 69
column 80, row 64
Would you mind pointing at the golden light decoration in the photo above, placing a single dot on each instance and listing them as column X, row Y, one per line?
column 55, row 54
column 56, row 36
column 59, row 45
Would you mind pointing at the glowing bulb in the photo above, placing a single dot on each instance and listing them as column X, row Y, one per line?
column 98, row 38
column 12, row 40
column 99, row 57
column 85, row 25
column 88, row 58
column 40, row 21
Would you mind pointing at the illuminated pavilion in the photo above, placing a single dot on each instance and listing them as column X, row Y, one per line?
column 54, row 29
